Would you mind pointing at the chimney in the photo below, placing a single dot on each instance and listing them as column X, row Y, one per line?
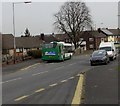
column 42, row 36
column 99, row 30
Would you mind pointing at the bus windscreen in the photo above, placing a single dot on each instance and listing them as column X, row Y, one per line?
column 51, row 45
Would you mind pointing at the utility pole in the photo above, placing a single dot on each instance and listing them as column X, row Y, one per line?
column 14, row 42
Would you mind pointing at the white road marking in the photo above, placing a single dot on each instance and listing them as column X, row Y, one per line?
column 46, row 64
column 53, row 85
column 64, row 80
column 71, row 78
column 22, row 97
column 72, row 64
column 52, row 63
column 59, row 68
column 39, row 90
column 12, row 80
column 30, row 66
column 39, row 73
column 78, row 75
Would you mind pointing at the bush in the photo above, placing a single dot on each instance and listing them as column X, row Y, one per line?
column 35, row 53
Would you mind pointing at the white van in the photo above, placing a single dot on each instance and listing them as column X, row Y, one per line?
column 110, row 48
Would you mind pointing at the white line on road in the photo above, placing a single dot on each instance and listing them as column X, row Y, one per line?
column 52, row 63
column 46, row 64
column 71, row 78
column 30, row 66
column 64, row 80
column 39, row 90
column 39, row 73
column 12, row 80
column 72, row 64
column 59, row 68
column 53, row 85
column 78, row 75
column 22, row 97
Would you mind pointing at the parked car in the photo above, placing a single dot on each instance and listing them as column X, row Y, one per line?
column 110, row 48
column 99, row 57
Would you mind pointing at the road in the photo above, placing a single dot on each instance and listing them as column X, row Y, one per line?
column 45, row 83
column 101, row 85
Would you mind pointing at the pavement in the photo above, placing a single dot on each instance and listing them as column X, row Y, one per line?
column 11, row 68
column 101, row 84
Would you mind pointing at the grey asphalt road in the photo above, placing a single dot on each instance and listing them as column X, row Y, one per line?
column 53, row 83
column 101, row 84
column 58, row 79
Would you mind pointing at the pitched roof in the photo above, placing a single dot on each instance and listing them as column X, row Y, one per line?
column 95, row 33
column 21, row 42
column 115, row 31
column 106, row 31
column 61, row 37
column 28, row 42
column 49, row 38
column 110, row 32
column 7, row 41
column 98, row 35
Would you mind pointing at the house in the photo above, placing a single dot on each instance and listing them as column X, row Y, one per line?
column 7, row 44
column 63, row 38
column 113, row 35
column 47, row 38
column 116, row 34
column 23, row 44
column 91, row 39
column 88, row 40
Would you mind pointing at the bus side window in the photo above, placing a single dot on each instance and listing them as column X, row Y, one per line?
column 60, row 49
column 54, row 45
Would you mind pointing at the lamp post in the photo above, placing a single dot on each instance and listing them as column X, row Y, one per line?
column 14, row 42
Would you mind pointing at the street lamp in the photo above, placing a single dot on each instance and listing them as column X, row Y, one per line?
column 14, row 26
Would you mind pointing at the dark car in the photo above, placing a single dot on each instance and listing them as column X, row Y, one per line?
column 99, row 57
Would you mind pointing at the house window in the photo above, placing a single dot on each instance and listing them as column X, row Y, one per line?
column 81, row 39
column 91, row 46
column 69, row 40
column 91, row 39
column 66, row 40
column 102, row 39
column 19, row 50
column 4, row 51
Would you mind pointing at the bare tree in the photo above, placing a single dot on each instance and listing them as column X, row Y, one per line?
column 72, row 18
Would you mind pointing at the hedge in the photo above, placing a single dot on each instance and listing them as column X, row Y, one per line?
column 35, row 53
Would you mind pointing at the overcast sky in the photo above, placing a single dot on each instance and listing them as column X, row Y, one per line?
column 38, row 16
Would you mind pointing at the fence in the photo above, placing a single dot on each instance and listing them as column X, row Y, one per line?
column 7, row 59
